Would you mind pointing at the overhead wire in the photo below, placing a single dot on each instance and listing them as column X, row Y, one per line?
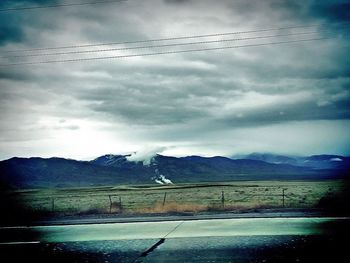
column 61, row 50
column 24, row 8
column 160, row 53
column 160, row 39
column 341, row 24
column 159, row 46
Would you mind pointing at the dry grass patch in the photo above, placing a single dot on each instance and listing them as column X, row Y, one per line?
column 173, row 207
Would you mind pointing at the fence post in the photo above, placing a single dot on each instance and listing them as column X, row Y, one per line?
column 164, row 199
column 223, row 199
column 53, row 205
column 283, row 197
column 120, row 203
column 110, row 203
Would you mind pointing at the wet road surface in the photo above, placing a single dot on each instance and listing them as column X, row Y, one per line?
column 220, row 240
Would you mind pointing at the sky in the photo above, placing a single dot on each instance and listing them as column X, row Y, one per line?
column 290, row 98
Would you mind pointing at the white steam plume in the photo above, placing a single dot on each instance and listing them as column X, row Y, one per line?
column 145, row 155
column 162, row 180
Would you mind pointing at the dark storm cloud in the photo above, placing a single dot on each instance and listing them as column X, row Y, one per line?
column 286, row 113
column 334, row 11
column 9, row 4
column 13, row 22
column 199, row 99
column 10, row 28
column 171, row 102
column 331, row 10
column 152, row 96
column 22, row 3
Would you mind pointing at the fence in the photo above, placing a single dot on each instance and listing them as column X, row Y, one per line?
column 174, row 199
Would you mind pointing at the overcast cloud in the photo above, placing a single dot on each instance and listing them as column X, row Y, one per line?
column 288, row 98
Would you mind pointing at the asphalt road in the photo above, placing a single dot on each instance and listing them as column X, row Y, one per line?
column 216, row 240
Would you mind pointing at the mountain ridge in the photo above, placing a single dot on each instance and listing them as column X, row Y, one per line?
column 117, row 169
column 320, row 161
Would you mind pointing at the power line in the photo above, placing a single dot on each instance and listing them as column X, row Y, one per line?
column 159, row 53
column 160, row 46
column 172, row 38
column 161, row 39
column 24, row 8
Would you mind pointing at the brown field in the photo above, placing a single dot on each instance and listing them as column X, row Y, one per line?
column 138, row 199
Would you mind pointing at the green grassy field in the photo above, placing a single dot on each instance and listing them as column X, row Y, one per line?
column 176, row 198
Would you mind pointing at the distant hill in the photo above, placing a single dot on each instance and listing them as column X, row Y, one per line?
column 271, row 158
column 324, row 161
column 117, row 169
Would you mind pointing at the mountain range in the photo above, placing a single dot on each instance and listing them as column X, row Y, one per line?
column 324, row 161
column 118, row 169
